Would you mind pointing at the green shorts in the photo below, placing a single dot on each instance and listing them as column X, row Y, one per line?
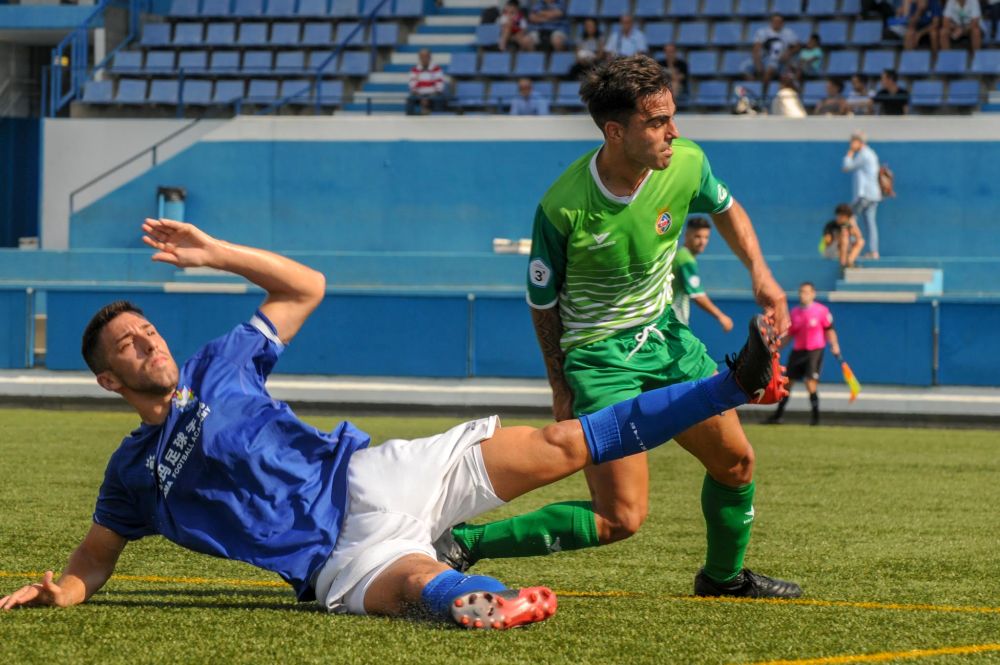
column 602, row 373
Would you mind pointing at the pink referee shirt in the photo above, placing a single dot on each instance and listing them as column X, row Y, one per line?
column 809, row 325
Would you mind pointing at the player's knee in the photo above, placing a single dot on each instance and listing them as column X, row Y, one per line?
column 566, row 440
column 623, row 521
column 736, row 470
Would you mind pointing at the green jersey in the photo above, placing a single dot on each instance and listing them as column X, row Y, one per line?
column 605, row 260
column 686, row 283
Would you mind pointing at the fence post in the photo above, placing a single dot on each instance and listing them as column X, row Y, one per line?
column 935, row 340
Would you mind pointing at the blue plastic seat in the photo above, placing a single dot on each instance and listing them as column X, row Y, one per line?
column 470, row 94
column 832, row 33
column 876, row 61
column 693, row 34
column 160, row 62
column 787, row 8
column 544, row 89
column 530, row 64
column 330, row 93
column 257, row 63
column 322, row 59
column 487, row 35
column 192, row 62
column 98, row 92
column 296, row 90
column 345, row 9
column 915, row 63
column 683, row 8
column 581, row 9
column 802, row 29
column 821, row 8
column 287, row 34
column 986, row 62
column 197, row 92
column 384, row 35
column 164, row 91
column 262, row 91
column 712, row 94
column 501, row 93
column 155, row 34
column 183, row 9
column 408, row 9
column 188, row 34
column 963, row 93
column 813, row 93
column 350, row 33
column 127, row 62
column 613, row 9
column 253, row 34
column 850, row 7
column 842, row 63
column 717, row 8
column 703, row 63
column 751, row 8
column 495, row 64
column 951, row 63
column 368, row 7
column 220, row 34
column 316, row 9
column 658, row 34
column 560, row 62
column 215, row 8
column 289, row 63
column 224, row 63
column 313, row 34
column 727, row 34
column 355, row 63
column 131, row 91
column 248, row 8
column 649, row 9
column 227, row 92
column 867, row 33
column 735, row 63
column 568, row 95
column 280, row 8
column 463, row 63
column 925, row 94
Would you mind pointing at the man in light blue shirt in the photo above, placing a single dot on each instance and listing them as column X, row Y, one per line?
column 862, row 163
column 527, row 102
column 627, row 40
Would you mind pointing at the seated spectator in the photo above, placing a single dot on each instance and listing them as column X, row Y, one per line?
column 842, row 239
column 527, row 102
column 678, row 69
column 859, row 99
column 962, row 19
column 774, row 46
column 834, row 102
column 922, row 20
column 589, row 49
column 426, row 86
column 991, row 12
column 513, row 26
column 627, row 39
column 548, row 27
column 892, row 98
column 811, row 57
column 786, row 101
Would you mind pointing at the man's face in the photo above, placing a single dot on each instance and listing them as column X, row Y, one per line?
column 670, row 51
column 696, row 240
column 647, row 137
column 425, row 58
column 886, row 81
column 807, row 295
column 626, row 22
column 524, row 87
column 831, row 89
column 777, row 23
column 137, row 357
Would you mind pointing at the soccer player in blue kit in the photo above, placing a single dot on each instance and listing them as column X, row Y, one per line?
column 219, row 467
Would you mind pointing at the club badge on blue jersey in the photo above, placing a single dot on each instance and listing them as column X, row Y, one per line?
column 184, row 398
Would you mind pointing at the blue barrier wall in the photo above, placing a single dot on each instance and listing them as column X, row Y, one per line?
column 14, row 328
column 968, row 348
column 19, row 176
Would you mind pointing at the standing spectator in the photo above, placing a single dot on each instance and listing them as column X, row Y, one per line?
column 859, row 99
column 512, row 26
column 862, row 163
column 923, row 19
column 627, row 39
column 892, row 98
column 811, row 57
column 787, row 102
column 547, row 25
column 834, row 102
column 677, row 67
column 962, row 18
column 774, row 46
column 842, row 240
column 426, row 86
column 527, row 102
column 589, row 49
column 687, row 281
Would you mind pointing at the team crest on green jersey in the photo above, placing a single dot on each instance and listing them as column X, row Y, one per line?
column 663, row 222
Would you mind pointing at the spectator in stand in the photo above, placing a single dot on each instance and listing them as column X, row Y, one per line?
column 892, row 98
column 426, row 86
column 589, row 49
column 774, row 47
column 862, row 163
column 627, row 40
column 962, row 18
column 923, row 20
column 513, row 26
column 842, row 239
column 548, row 27
column 678, row 69
column 834, row 102
column 811, row 57
column 527, row 102
column 786, row 101
column 991, row 12
column 859, row 99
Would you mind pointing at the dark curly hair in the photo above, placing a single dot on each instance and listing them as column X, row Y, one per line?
column 613, row 89
column 93, row 355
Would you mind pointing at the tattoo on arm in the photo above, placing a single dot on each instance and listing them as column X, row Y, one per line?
column 548, row 330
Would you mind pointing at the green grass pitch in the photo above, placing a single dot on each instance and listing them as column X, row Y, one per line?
column 891, row 532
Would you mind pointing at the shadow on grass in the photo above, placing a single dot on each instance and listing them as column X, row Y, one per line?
column 208, row 605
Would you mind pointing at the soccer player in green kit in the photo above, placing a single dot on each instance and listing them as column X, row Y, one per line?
column 599, row 284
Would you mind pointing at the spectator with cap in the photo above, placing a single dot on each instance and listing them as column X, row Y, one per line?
column 527, row 101
column 627, row 39
column 891, row 98
column 862, row 163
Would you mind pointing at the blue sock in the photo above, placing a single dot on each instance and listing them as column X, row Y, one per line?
column 451, row 584
column 644, row 422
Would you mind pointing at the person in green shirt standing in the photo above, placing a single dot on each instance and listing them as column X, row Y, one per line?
column 687, row 281
column 599, row 284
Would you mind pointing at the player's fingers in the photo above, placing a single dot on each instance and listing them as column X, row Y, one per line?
column 166, row 257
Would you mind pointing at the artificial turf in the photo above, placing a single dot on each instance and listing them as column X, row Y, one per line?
column 891, row 532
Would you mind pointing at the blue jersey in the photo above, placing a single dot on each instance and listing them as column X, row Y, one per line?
column 232, row 472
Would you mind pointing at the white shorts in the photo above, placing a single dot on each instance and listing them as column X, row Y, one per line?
column 402, row 496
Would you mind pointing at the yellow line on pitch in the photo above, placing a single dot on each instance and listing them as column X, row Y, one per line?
column 887, row 656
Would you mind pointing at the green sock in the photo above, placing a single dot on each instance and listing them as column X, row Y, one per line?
column 558, row 526
column 729, row 516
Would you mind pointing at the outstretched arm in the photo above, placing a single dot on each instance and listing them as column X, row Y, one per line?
column 736, row 228
column 703, row 301
column 293, row 290
column 89, row 567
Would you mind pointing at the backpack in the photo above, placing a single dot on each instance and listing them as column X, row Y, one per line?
column 886, row 181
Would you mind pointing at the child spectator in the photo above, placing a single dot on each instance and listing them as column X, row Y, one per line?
column 513, row 25
column 811, row 57
column 842, row 239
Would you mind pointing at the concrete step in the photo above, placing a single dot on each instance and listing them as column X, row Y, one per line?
column 380, row 96
column 478, row 4
column 467, row 20
column 396, row 76
column 445, row 30
column 890, row 275
column 435, row 41
column 409, row 58
column 370, row 87
column 381, row 108
column 843, row 286
column 872, row 296
column 459, row 11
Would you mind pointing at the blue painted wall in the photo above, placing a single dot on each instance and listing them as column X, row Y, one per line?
column 20, row 149
column 14, row 320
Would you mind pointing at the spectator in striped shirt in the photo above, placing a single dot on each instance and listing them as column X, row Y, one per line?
column 426, row 86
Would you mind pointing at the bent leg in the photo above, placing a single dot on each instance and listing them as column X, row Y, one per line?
column 620, row 494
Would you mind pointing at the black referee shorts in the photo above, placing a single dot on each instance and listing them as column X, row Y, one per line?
column 805, row 364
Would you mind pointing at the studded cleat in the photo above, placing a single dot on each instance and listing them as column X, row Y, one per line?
column 757, row 368
column 483, row 610
column 747, row 584
column 451, row 552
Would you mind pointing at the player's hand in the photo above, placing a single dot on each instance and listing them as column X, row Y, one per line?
column 725, row 322
column 178, row 243
column 772, row 299
column 45, row 592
